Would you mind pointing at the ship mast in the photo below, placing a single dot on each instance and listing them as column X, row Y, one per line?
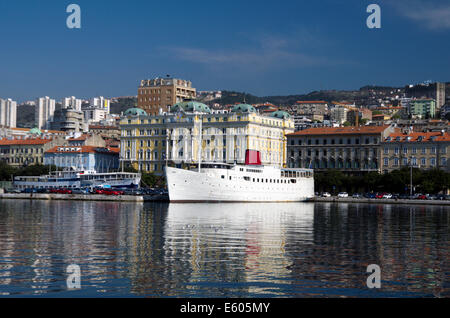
column 200, row 144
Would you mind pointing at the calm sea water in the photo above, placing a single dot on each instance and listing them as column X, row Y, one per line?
column 223, row 250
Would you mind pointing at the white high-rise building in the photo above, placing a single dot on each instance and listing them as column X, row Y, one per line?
column 98, row 110
column 71, row 102
column 44, row 111
column 101, row 103
column 8, row 113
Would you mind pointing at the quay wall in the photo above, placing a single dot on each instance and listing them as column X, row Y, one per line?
column 381, row 201
column 75, row 197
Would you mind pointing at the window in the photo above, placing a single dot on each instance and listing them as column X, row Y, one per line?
column 386, row 161
column 433, row 162
column 423, row 161
column 386, row 151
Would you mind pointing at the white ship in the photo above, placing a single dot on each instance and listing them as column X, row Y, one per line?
column 78, row 179
column 218, row 182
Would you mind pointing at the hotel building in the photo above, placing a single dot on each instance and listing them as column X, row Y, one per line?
column 192, row 131
column 160, row 93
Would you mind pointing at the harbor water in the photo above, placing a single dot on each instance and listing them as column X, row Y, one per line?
column 136, row 249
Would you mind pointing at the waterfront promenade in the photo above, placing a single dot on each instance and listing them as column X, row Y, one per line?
column 147, row 198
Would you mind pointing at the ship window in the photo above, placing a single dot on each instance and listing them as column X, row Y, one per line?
column 293, row 181
column 223, row 177
column 230, row 178
column 247, row 178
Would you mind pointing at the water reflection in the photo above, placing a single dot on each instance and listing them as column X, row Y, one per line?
column 222, row 250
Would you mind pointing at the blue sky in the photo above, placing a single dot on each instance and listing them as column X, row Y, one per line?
column 260, row 47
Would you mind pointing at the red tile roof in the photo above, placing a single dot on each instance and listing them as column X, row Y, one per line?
column 351, row 130
column 311, row 102
column 23, row 142
column 418, row 137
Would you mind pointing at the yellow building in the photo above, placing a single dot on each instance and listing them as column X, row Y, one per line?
column 149, row 142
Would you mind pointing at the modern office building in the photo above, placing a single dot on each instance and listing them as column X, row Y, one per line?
column 8, row 113
column 149, row 142
column 44, row 112
column 424, row 150
column 161, row 93
column 353, row 150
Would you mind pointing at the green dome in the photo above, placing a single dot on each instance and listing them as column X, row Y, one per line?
column 135, row 112
column 281, row 114
column 35, row 131
column 244, row 108
column 190, row 106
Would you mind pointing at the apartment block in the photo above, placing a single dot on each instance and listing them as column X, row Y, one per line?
column 424, row 150
column 24, row 152
column 71, row 102
column 8, row 113
column 423, row 108
column 44, row 112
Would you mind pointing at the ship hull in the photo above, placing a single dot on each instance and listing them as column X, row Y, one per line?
column 229, row 186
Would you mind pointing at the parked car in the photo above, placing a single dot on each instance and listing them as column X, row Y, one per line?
column 422, row 197
column 370, row 195
column 326, row 195
column 342, row 195
column 80, row 191
column 442, row 197
column 13, row 191
column 379, row 196
column 111, row 192
column 357, row 195
column 29, row 190
column 387, row 196
column 64, row 191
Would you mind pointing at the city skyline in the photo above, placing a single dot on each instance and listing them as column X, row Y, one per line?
column 271, row 49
